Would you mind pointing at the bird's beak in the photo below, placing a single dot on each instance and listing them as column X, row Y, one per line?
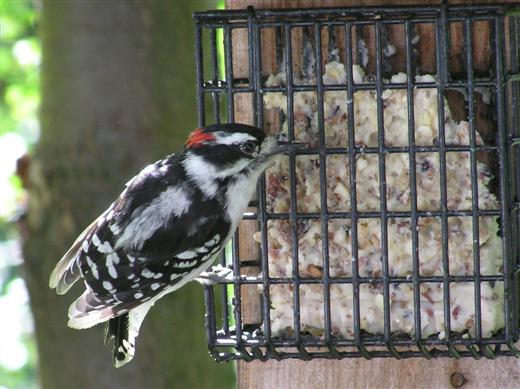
column 273, row 147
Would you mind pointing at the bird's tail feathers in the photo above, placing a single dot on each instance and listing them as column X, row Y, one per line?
column 124, row 348
column 124, row 330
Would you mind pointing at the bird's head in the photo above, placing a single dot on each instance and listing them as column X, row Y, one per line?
column 230, row 149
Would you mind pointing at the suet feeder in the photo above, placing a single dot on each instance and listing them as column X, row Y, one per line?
column 395, row 233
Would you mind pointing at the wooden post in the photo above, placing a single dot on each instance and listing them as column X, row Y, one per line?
column 376, row 373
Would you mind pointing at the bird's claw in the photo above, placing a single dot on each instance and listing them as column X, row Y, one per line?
column 217, row 274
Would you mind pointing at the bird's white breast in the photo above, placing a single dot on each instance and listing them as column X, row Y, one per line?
column 239, row 194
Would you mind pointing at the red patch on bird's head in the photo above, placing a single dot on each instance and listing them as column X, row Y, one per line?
column 197, row 137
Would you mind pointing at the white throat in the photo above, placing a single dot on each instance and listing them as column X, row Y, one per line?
column 239, row 194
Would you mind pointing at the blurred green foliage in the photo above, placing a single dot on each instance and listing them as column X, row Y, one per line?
column 19, row 61
column 19, row 129
column 20, row 55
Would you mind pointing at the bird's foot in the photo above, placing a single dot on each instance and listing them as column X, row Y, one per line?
column 218, row 274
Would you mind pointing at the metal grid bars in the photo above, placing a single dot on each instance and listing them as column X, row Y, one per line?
column 340, row 269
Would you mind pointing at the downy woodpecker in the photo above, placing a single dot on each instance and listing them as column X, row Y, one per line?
column 165, row 229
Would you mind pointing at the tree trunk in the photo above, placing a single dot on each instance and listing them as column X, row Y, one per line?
column 118, row 92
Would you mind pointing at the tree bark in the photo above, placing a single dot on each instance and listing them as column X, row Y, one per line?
column 117, row 93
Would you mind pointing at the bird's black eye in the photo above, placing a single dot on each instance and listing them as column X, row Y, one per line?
column 248, row 147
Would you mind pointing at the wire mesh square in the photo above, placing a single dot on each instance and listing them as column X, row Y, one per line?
column 395, row 233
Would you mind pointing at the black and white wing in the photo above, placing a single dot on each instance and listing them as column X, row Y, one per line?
column 159, row 234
